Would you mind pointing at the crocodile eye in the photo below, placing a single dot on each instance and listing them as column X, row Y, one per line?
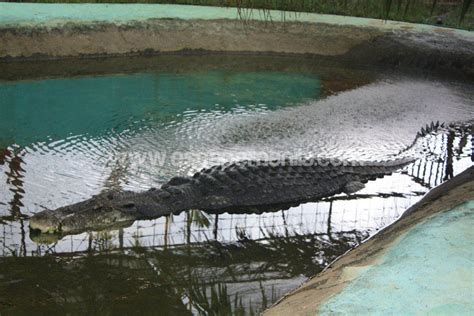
column 129, row 205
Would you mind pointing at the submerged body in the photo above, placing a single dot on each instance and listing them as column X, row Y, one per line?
column 245, row 186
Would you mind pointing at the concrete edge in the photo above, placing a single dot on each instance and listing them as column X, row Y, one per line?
column 57, row 14
column 307, row 298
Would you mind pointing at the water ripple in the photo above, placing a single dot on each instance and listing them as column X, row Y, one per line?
column 134, row 152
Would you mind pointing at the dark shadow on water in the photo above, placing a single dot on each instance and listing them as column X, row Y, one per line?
column 208, row 278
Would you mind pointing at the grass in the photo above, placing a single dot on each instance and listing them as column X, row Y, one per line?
column 451, row 13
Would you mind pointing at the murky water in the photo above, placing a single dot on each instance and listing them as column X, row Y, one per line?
column 63, row 139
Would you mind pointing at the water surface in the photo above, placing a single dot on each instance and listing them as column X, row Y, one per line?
column 65, row 138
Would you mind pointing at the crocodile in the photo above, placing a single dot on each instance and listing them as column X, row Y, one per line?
column 242, row 186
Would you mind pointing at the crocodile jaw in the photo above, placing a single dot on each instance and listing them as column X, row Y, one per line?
column 62, row 221
column 47, row 222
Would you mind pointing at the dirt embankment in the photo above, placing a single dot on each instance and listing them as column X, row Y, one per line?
column 171, row 35
column 429, row 50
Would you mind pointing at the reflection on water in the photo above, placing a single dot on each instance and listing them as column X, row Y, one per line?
column 63, row 140
column 71, row 130
column 45, row 114
column 244, row 276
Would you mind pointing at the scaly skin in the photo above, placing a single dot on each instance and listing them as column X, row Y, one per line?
column 245, row 186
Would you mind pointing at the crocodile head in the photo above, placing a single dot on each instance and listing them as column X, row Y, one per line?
column 99, row 212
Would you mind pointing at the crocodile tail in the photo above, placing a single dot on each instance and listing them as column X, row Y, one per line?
column 428, row 129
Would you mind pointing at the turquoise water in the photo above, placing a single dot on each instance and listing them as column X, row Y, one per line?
column 429, row 271
column 55, row 109
column 74, row 136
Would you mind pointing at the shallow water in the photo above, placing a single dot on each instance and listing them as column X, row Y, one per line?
column 64, row 139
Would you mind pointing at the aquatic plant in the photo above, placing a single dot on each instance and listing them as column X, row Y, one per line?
column 215, row 300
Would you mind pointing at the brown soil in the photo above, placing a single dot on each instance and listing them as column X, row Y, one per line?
column 170, row 35
column 359, row 45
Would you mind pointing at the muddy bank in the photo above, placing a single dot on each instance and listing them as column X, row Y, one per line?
column 338, row 72
column 173, row 35
column 360, row 41
column 311, row 296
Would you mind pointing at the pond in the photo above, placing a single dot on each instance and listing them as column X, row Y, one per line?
column 69, row 130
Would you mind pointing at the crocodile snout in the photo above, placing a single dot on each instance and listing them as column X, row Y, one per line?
column 46, row 222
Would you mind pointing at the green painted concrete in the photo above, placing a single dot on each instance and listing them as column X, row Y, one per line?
column 49, row 14
column 430, row 270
